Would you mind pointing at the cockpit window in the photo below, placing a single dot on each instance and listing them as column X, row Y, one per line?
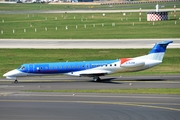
column 22, row 68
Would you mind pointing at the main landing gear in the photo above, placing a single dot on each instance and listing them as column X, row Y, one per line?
column 15, row 81
column 96, row 78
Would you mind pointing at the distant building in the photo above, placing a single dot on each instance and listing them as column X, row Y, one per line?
column 85, row 0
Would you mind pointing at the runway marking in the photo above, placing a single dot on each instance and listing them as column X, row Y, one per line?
column 4, row 86
column 136, row 104
column 95, row 96
column 99, row 96
column 4, row 94
column 126, row 81
column 99, row 102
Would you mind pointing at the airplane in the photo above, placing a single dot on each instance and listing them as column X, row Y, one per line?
column 93, row 69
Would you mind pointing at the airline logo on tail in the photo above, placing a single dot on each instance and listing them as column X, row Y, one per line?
column 93, row 69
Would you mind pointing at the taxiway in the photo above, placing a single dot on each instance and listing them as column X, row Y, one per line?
column 81, row 43
column 19, row 105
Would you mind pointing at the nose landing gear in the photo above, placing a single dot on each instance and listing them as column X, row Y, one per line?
column 16, row 81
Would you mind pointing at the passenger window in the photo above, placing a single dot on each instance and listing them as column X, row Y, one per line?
column 114, row 64
column 60, row 67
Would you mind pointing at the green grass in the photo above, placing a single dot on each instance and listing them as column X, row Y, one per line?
column 13, row 58
column 126, row 91
column 123, row 26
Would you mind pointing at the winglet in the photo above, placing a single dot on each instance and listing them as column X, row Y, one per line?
column 160, row 47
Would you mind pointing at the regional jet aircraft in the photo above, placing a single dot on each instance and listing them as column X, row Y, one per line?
column 93, row 69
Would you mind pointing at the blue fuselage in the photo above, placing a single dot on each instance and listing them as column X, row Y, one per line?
column 63, row 67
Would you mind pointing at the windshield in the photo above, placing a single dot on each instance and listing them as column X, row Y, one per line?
column 22, row 68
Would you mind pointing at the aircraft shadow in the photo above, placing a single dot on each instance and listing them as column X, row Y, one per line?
column 106, row 80
column 112, row 80
column 144, row 78
column 149, row 80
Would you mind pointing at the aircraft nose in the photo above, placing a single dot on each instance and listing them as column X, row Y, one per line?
column 12, row 73
column 5, row 75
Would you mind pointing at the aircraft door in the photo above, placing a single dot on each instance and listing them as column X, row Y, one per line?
column 31, row 68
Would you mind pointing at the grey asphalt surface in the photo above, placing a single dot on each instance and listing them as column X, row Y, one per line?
column 84, row 43
column 107, row 82
column 18, row 105
column 49, row 106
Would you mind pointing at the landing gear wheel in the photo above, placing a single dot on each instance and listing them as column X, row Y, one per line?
column 96, row 79
column 16, row 81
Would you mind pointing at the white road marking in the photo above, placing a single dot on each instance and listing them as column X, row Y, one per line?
column 5, row 86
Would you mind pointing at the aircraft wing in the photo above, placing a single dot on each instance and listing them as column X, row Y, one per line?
column 90, row 73
column 93, row 74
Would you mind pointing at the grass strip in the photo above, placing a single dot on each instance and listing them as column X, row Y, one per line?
column 86, row 26
column 125, row 91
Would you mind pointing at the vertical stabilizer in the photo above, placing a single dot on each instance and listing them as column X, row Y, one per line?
column 157, row 52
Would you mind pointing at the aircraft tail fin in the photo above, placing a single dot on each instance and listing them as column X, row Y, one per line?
column 157, row 52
